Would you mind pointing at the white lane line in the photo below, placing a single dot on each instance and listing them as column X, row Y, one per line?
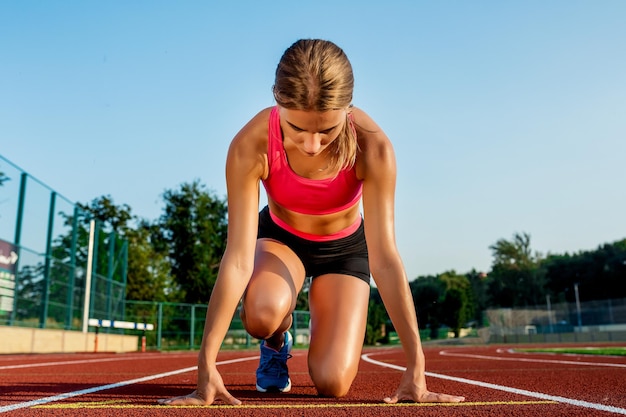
column 59, row 397
column 34, row 365
column 560, row 362
column 81, row 361
column 557, row 353
column 533, row 394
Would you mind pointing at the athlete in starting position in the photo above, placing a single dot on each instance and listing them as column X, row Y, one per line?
column 317, row 157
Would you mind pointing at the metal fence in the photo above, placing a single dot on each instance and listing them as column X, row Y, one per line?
column 46, row 277
column 179, row 326
column 44, row 242
column 602, row 320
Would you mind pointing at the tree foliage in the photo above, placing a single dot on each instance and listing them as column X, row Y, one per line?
column 458, row 305
column 149, row 277
column 515, row 279
column 378, row 323
column 446, row 299
column 600, row 274
column 148, row 274
column 193, row 227
column 428, row 294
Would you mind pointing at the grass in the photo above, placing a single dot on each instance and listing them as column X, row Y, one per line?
column 600, row 351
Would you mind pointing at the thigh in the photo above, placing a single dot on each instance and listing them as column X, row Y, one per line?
column 276, row 280
column 338, row 306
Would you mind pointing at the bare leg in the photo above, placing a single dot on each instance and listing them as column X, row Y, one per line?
column 338, row 305
column 271, row 294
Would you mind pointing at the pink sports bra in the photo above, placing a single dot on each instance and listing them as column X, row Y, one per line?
column 304, row 195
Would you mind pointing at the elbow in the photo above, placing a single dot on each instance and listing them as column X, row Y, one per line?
column 386, row 265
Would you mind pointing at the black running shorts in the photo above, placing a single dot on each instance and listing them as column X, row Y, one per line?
column 347, row 255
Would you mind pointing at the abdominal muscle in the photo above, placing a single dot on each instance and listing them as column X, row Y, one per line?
column 316, row 224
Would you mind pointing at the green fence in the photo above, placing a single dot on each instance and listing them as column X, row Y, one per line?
column 45, row 273
column 179, row 326
column 44, row 248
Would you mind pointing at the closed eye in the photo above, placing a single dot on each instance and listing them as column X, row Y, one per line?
column 296, row 128
column 323, row 132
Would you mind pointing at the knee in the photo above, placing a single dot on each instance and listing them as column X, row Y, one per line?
column 332, row 382
column 262, row 320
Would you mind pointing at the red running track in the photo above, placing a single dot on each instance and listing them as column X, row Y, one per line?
column 495, row 380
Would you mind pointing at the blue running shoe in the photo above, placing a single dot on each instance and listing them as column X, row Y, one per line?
column 272, row 374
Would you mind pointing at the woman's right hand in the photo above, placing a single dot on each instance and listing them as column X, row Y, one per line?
column 210, row 388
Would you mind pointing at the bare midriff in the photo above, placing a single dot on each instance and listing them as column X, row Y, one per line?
column 318, row 224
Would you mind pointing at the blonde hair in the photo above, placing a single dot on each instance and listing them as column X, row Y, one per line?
column 316, row 75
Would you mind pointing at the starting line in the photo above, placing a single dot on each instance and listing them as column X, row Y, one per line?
column 122, row 404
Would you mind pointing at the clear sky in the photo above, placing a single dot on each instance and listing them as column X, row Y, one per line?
column 506, row 116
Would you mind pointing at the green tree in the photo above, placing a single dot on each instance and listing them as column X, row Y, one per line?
column 149, row 277
column 194, row 227
column 147, row 268
column 515, row 278
column 600, row 274
column 479, row 296
column 378, row 322
column 148, row 273
column 428, row 294
column 457, row 307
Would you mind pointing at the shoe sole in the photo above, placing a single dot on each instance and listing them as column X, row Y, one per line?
column 274, row 389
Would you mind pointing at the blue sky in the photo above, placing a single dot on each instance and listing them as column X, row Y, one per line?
column 506, row 117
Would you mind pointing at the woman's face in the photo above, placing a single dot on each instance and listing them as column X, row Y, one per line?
column 310, row 131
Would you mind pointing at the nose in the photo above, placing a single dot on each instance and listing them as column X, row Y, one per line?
column 312, row 143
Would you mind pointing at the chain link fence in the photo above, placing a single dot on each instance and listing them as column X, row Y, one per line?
column 590, row 321
column 179, row 326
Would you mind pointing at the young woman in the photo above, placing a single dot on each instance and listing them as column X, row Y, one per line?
column 318, row 158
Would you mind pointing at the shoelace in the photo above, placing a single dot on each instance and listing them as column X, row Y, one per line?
column 276, row 362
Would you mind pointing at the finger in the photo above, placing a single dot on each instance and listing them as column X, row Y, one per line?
column 231, row 400
column 442, row 398
column 391, row 400
column 228, row 398
column 186, row 400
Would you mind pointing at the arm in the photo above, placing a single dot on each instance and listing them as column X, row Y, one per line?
column 377, row 167
column 245, row 165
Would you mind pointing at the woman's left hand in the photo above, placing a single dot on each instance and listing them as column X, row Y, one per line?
column 411, row 390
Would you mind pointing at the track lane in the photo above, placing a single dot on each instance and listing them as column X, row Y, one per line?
column 374, row 382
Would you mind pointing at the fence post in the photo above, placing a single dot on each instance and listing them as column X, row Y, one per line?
column 87, row 302
column 192, row 327
column 47, row 260
column 110, row 267
column 71, row 279
column 580, row 320
column 18, row 238
column 159, row 324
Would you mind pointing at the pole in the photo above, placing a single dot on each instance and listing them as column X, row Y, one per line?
column 43, row 318
column 549, row 313
column 580, row 320
column 92, row 226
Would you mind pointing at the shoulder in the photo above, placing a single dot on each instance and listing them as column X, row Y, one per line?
column 375, row 149
column 248, row 149
column 256, row 130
